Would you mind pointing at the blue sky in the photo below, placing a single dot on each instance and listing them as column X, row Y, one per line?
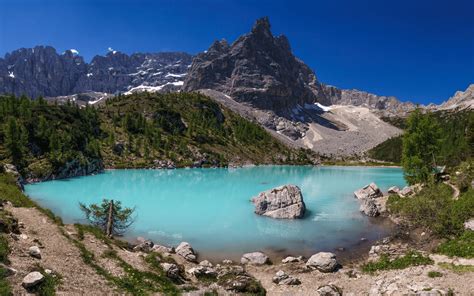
column 417, row 50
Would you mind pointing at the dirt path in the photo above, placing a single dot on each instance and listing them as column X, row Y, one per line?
column 57, row 254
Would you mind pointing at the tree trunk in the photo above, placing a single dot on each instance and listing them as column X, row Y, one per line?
column 110, row 219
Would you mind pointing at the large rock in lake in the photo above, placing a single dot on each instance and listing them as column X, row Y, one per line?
column 368, row 191
column 284, row 202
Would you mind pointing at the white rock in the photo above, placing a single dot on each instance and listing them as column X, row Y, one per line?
column 368, row 191
column 323, row 261
column 329, row 290
column 469, row 224
column 35, row 252
column 255, row 258
column 32, row 279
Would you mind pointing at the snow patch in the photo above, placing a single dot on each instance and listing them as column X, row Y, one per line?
column 110, row 49
column 89, row 74
column 96, row 101
column 74, row 51
column 175, row 75
column 318, row 107
column 10, row 74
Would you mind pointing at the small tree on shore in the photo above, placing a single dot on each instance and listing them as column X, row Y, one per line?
column 109, row 216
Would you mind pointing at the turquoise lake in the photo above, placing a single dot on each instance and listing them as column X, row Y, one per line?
column 211, row 208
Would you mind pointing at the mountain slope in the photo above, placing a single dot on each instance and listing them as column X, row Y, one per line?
column 260, row 78
column 41, row 71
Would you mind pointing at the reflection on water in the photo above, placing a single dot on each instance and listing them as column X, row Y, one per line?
column 211, row 208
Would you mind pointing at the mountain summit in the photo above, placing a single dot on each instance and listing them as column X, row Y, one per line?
column 257, row 68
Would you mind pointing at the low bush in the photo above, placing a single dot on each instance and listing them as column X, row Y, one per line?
column 434, row 274
column 411, row 258
column 462, row 246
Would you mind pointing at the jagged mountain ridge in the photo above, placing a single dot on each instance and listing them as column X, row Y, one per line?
column 41, row 71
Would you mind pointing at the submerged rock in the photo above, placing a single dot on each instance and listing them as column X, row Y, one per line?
column 284, row 202
column 368, row 191
column 323, row 261
column 255, row 258
column 32, row 279
column 186, row 251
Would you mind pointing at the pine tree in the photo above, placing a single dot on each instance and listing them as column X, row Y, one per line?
column 421, row 143
column 16, row 140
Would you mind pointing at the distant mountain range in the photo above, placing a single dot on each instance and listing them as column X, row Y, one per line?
column 257, row 76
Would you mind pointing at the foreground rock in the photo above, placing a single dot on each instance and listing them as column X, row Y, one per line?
column 186, row 251
column 32, row 279
column 291, row 259
column 281, row 278
column 323, row 261
column 145, row 246
column 173, row 272
column 255, row 258
column 284, row 202
column 368, row 191
column 329, row 290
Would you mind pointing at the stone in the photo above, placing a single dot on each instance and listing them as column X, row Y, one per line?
column 8, row 271
column 406, row 191
column 284, row 202
column 255, row 258
column 393, row 190
column 291, row 259
column 185, row 250
column 281, row 278
column 368, row 191
column 172, row 271
column 35, row 252
column 200, row 271
column 205, row 263
column 32, row 279
column 323, row 261
column 469, row 224
column 329, row 290
column 145, row 246
column 162, row 249
column 369, row 207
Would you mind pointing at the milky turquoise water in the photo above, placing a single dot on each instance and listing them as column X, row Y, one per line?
column 211, row 208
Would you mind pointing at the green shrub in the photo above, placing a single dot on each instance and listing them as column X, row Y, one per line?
column 462, row 246
column 435, row 209
column 411, row 258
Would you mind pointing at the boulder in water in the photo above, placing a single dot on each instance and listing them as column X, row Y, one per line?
column 284, row 202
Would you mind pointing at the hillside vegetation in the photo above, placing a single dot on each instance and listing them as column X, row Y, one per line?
column 456, row 134
column 142, row 130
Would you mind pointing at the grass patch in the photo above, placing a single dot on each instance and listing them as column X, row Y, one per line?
column 457, row 268
column 411, row 258
column 5, row 288
column 462, row 246
column 10, row 191
column 434, row 274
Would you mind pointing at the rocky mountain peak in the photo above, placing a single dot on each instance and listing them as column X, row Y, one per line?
column 261, row 28
column 257, row 69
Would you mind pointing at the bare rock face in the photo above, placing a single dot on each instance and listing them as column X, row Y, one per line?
column 323, row 261
column 285, row 202
column 41, row 71
column 257, row 68
column 368, row 191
